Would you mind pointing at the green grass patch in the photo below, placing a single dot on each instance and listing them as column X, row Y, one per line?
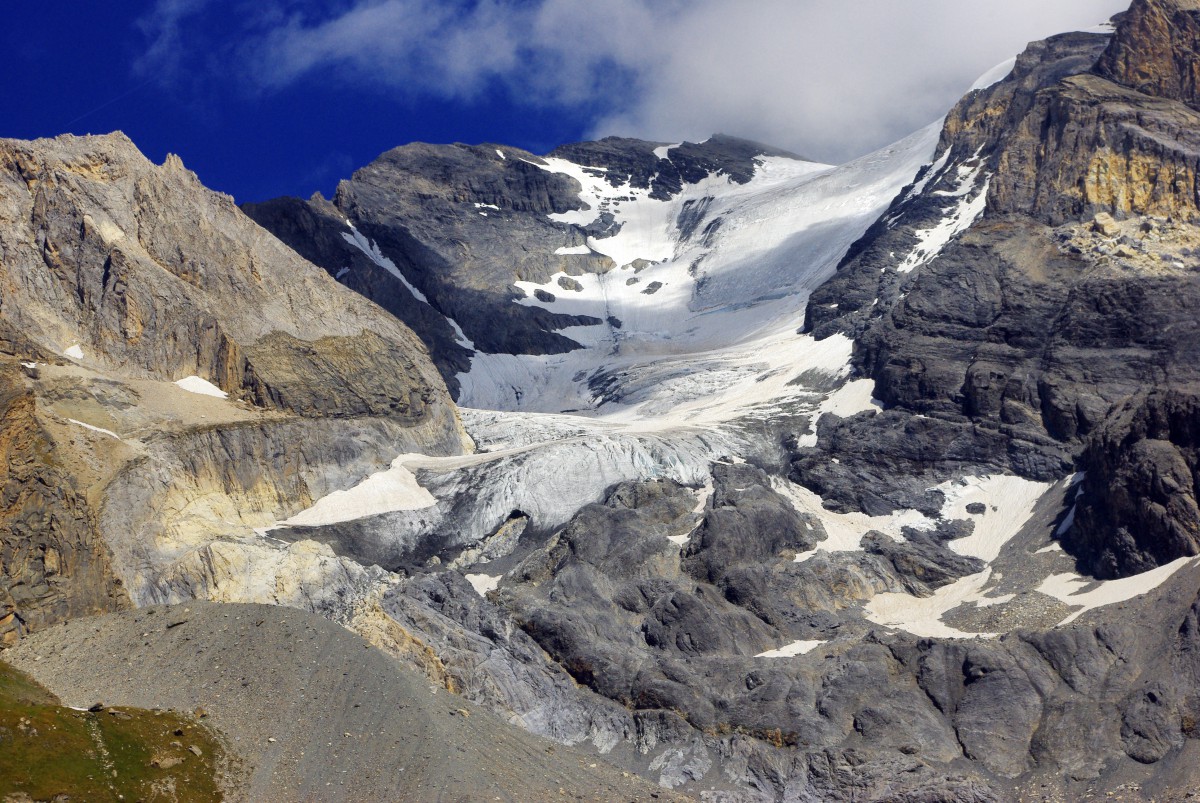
column 118, row 754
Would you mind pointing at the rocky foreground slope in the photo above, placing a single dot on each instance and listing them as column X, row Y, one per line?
column 311, row 711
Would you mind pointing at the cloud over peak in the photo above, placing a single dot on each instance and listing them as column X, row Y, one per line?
column 828, row 79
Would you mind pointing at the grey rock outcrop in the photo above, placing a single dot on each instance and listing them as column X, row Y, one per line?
column 1014, row 340
column 1137, row 504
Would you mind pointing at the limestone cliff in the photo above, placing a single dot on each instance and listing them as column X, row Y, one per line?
column 148, row 272
column 118, row 278
column 53, row 563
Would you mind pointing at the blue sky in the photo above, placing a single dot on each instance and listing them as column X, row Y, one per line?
column 270, row 97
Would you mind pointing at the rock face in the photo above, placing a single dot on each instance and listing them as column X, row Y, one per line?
column 1156, row 50
column 120, row 277
column 1071, row 291
column 613, row 604
column 54, row 565
column 1137, row 504
column 148, row 272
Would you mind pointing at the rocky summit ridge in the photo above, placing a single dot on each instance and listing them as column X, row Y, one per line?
column 771, row 480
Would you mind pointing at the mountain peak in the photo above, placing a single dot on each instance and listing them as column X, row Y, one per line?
column 1156, row 50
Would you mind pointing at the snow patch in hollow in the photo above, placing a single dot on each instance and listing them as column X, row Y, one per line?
column 664, row 151
column 850, row 399
column 846, row 530
column 483, row 583
column 703, row 494
column 1009, row 501
column 922, row 616
column 195, row 384
column 75, row 352
column 576, row 250
column 792, row 650
column 1069, row 588
column 387, row 491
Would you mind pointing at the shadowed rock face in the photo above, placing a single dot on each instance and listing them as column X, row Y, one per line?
column 1137, row 506
column 461, row 224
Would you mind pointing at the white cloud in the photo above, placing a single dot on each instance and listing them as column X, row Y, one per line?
column 832, row 79
column 826, row 78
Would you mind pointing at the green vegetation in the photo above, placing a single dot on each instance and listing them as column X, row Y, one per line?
column 48, row 751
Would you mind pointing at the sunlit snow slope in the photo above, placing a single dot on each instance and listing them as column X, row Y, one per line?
column 709, row 290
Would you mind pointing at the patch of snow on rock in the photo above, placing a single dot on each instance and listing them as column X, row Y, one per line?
column 955, row 222
column 195, row 384
column 1070, row 588
column 848, row 400
column 846, row 530
column 107, row 432
column 791, row 650
column 1009, row 501
column 355, row 237
column 483, row 583
column 383, row 492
